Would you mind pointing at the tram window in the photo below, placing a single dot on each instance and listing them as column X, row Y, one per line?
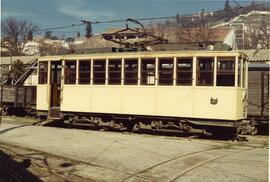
column 239, row 72
column 84, row 72
column 225, row 71
column 184, row 71
column 205, row 71
column 131, row 72
column 99, row 72
column 165, row 71
column 148, row 71
column 70, row 72
column 43, row 72
column 115, row 72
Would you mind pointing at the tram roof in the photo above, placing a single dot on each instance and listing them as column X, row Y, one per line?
column 150, row 54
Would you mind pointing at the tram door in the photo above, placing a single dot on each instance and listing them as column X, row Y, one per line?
column 55, row 83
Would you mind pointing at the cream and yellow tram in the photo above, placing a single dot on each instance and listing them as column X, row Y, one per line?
column 203, row 88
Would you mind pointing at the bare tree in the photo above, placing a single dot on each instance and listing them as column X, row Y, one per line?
column 16, row 33
column 258, row 37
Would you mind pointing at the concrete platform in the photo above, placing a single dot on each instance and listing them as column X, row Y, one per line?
column 111, row 156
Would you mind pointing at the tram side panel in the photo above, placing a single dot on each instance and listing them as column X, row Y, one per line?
column 42, row 97
column 202, row 103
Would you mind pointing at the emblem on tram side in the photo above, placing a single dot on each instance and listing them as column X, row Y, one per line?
column 213, row 101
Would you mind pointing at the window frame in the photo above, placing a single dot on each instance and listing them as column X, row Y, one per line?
column 99, row 72
column 148, row 75
column 165, row 71
column 134, row 71
column 225, row 73
column 115, row 80
column 210, row 72
column 67, row 73
column 43, row 72
column 86, row 72
column 178, row 71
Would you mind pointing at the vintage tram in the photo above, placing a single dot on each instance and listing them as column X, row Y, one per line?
column 181, row 89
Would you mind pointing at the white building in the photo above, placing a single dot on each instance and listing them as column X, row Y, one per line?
column 31, row 48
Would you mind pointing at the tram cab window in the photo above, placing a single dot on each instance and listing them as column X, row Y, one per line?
column 225, row 71
column 165, row 71
column 205, row 71
column 70, row 72
column 99, row 72
column 131, row 72
column 43, row 72
column 148, row 71
column 115, row 72
column 184, row 71
column 84, row 72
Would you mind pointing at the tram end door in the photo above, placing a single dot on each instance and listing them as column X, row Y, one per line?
column 55, row 90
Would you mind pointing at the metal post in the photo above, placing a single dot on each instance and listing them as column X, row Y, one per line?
column 16, row 96
column 262, row 94
column 1, row 96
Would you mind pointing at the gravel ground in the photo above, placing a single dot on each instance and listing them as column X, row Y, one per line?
column 79, row 155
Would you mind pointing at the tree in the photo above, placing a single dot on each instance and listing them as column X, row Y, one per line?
column 177, row 19
column 258, row 38
column 16, row 33
column 78, row 34
column 54, row 38
column 17, row 69
column 30, row 35
column 70, row 39
column 48, row 34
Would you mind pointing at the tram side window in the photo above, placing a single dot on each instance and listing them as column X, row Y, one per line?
column 131, row 72
column 225, row 71
column 165, row 71
column 84, row 72
column 148, row 71
column 205, row 71
column 184, row 71
column 115, row 72
column 70, row 72
column 43, row 72
column 99, row 72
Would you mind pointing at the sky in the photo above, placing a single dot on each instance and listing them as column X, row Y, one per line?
column 55, row 13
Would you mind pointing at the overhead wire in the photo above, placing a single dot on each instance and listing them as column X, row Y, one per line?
column 39, row 12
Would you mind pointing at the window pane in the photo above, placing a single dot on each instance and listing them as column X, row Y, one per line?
column 131, row 72
column 99, row 72
column 70, row 72
column 225, row 71
column 43, row 72
column 148, row 71
column 205, row 71
column 84, row 72
column 165, row 71
column 115, row 72
column 184, row 71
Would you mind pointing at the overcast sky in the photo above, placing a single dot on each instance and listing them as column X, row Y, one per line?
column 53, row 13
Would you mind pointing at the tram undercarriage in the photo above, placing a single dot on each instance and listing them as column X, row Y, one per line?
column 134, row 123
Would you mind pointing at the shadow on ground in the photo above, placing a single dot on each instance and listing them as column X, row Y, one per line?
column 11, row 170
